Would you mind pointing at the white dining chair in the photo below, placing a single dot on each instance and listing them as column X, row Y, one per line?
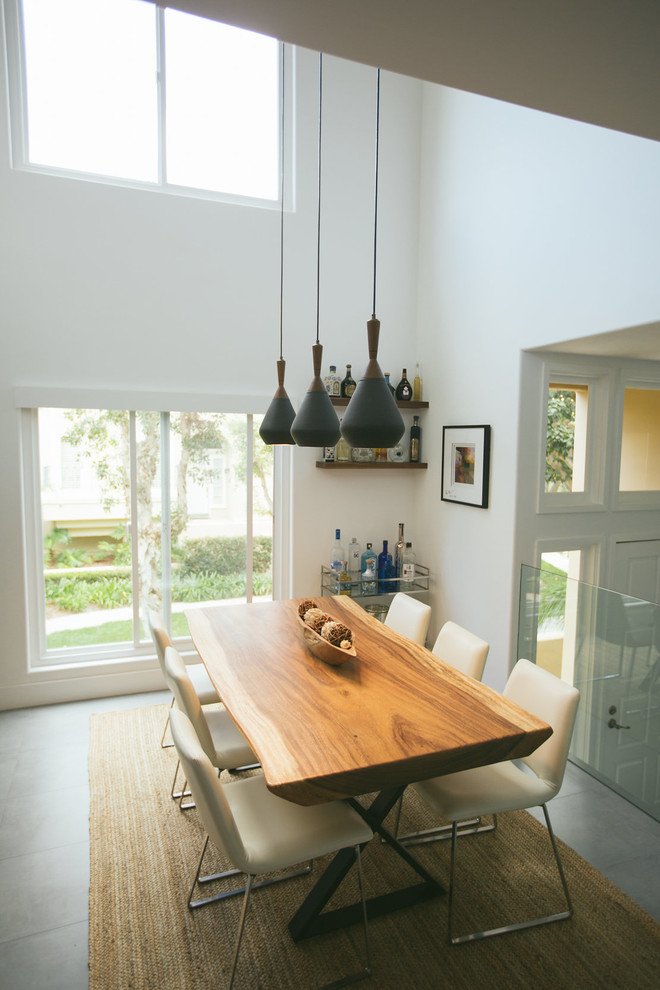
column 462, row 649
column 222, row 741
column 259, row 832
column 467, row 653
column 197, row 672
column 507, row 786
column 409, row 617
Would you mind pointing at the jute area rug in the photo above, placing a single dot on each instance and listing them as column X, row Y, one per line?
column 144, row 853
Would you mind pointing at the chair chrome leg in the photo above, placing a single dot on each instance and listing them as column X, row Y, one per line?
column 179, row 795
column 248, row 888
column 533, row 922
column 163, row 744
column 471, row 826
column 202, row 902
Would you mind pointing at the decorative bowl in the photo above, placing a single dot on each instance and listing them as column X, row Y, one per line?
column 323, row 650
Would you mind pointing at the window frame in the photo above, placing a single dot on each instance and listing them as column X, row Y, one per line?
column 141, row 653
column 19, row 123
column 631, row 500
column 594, row 495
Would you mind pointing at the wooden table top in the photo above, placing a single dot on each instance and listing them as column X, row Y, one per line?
column 393, row 715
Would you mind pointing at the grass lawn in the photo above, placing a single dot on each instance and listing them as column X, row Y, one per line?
column 107, row 632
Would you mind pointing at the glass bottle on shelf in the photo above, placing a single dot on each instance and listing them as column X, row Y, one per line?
column 408, row 572
column 369, row 559
column 385, row 569
column 362, row 455
column 332, row 381
column 354, row 556
column 417, row 386
column 369, row 583
column 415, row 441
column 404, row 389
column 398, row 553
column 348, row 384
column 337, row 554
column 344, row 580
column 391, row 387
column 343, row 449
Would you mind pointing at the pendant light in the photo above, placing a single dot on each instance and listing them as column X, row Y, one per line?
column 276, row 424
column 317, row 424
column 372, row 418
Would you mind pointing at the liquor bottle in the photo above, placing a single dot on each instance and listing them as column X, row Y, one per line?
column 332, row 381
column 404, row 389
column 391, row 387
column 398, row 553
column 354, row 556
column 343, row 449
column 408, row 573
column 369, row 583
column 344, row 580
column 369, row 559
column 337, row 555
column 348, row 384
column 385, row 569
column 417, row 386
column 415, row 441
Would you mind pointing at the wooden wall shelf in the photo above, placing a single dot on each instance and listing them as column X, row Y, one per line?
column 338, row 400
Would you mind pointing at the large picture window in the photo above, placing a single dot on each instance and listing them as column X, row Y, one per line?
column 127, row 90
column 144, row 525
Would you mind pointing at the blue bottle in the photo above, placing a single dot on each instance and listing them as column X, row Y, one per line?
column 385, row 569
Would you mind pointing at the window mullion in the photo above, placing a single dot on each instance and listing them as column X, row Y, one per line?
column 249, row 495
column 135, row 536
column 166, row 520
column 161, row 71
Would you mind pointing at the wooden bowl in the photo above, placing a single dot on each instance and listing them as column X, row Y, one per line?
column 325, row 651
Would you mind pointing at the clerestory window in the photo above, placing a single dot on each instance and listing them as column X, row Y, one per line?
column 130, row 92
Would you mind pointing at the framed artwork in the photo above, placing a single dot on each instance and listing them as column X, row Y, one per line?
column 466, row 465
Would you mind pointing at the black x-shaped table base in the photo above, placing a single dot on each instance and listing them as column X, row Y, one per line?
column 308, row 919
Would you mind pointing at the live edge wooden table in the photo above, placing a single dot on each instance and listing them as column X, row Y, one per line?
column 393, row 715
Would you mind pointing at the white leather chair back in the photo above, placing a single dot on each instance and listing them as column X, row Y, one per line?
column 409, row 617
column 553, row 700
column 181, row 687
column 462, row 649
column 207, row 791
column 160, row 637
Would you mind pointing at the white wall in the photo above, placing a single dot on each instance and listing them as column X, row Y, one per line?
column 109, row 288
column 534, row 230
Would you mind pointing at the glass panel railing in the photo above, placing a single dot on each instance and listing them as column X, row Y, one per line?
column 608, row 645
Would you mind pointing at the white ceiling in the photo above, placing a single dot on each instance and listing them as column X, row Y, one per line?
column 596, row 61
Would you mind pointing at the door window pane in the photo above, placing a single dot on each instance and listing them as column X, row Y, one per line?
column 640, row 441
column 87, row 559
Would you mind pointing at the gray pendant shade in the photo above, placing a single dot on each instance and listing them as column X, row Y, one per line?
column 276, row 424
column 316, row 423
column 372, row 418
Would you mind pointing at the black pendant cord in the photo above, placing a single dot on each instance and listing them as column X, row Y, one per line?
column 376, row 184
column 282, row 212
column 318, row 216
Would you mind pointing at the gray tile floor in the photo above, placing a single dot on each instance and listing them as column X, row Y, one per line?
column 44, row 841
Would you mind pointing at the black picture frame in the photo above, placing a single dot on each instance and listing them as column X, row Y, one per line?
column 466, row 465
